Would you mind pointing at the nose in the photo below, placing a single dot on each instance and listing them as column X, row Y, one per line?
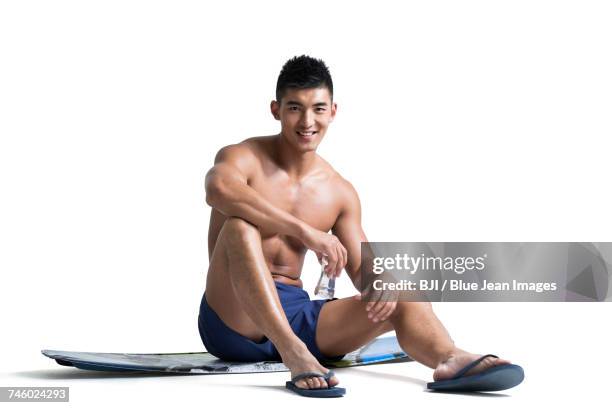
column 307, row 119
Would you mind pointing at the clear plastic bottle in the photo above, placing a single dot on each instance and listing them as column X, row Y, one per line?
column 326, row 286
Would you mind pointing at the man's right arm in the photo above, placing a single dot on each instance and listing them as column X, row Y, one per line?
column 227, row 191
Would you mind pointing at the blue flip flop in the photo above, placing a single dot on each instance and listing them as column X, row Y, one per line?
column 329, row 392
column 496, row 378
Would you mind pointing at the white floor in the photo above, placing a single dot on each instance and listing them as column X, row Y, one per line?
column 564, row 349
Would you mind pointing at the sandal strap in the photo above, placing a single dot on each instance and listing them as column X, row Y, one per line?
column 306, row 374
column 309, row 374
column 329, row 375
column 473, row 364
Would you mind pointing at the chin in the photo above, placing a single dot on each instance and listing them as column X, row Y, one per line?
column 307, row 147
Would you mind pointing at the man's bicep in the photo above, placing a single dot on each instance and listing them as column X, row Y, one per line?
column 222, row 173
column 232, row 163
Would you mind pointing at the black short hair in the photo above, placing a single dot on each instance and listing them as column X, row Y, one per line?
column 303, row 72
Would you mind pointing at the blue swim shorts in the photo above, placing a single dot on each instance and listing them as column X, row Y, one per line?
column 227, row 344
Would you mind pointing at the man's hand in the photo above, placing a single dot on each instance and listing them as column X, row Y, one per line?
column 381, row 309
column 328, row 245
column 381, row 306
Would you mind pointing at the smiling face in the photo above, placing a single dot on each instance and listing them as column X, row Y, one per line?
column 305, row 115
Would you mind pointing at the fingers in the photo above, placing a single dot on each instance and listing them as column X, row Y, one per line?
column 341, row 261
column 332, row 260
column 375, row 311
column 374, row 298
column 333, row 270
column 337, row 257
column 344, row 258
column 382, row 308
column 382, row 312
column 389, row 309
column 392, row 302
column 331, row 256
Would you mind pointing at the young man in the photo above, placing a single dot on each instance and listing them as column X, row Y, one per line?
column 273, row 199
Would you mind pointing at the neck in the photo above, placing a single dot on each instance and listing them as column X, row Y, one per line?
column 297, row 164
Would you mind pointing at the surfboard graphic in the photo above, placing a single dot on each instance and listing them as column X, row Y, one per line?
column 380, row 350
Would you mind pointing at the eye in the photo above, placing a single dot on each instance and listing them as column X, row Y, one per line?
column 321, row 109
column 293, row 108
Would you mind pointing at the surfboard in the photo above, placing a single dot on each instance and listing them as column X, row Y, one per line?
column 378, row 351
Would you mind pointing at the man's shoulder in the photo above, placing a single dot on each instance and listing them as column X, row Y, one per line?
column 347, row 190
column 344, row 187
column 345, row 195
column 247, row 150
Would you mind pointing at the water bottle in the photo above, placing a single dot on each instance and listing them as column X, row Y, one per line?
column 326, row 285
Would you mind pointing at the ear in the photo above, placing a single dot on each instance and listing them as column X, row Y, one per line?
column 334, row 108
column 275, row 109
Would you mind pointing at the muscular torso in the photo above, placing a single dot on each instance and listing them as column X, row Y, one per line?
column 313, row 199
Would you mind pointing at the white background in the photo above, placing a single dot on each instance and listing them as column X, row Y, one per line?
column 457, row 121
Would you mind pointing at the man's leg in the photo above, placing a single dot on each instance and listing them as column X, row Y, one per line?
column 419, row 332
column 240, row 289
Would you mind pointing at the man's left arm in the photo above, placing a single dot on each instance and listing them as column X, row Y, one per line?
column 350, row 233
column 348, row 230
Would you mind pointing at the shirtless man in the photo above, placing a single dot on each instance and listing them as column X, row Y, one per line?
column 273, row 199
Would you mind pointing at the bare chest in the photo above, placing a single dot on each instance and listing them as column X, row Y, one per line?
column 313, row 201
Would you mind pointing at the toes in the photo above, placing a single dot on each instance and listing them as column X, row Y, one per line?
column 487, row 363
column 315, row 382
column 312, row 383
column 501, row 361
column 333, row 381
column 493, row 362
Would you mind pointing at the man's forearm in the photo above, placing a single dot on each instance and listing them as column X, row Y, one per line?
column 357, row 275
column 236, row 199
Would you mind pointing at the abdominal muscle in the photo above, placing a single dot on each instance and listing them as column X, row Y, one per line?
column 284, row 259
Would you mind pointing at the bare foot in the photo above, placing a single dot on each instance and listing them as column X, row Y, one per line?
column 459, row 359
column 301, row 361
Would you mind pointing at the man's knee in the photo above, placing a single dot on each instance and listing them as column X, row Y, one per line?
column 235, row 227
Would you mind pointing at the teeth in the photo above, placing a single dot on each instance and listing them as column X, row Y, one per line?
column 306, row 133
